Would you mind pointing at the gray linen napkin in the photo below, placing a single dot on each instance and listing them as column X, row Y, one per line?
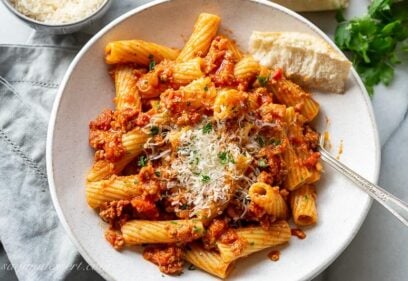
column 30, row 232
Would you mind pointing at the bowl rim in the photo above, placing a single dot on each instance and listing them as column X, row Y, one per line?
column 22, row 16
column 50, row 135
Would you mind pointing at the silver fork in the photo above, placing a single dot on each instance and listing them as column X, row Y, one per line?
column 396, row 206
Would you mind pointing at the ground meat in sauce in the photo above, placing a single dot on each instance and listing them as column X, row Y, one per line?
column 224, row 76
column 102, row 121
column 259, row 97
column 214, row 231
column 182, row 110
column 108, row 145
column 311, row 138
column 185, row 232
column 312, row 160
column 106, row 131
column 298, row 233
column 276, row 169
column 168, row 258
column 126, row 119
column 255, row 211
column 236, row 244
column 146, row 209
column 274, row 255
column 152, row 186
column 215, row 55
column 265, row 177
column 284, row 193
column 266, row 221
column 115, row 239
column 271, row 112
column 116, row 213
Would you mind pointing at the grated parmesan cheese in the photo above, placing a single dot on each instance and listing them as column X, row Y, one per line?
column 201, row 168
column 57, row 11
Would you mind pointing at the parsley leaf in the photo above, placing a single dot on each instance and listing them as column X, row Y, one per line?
column 263, row 142
column 152, row 62
column 142, row 161
column 262, row 80
column 154, row 130
column 197, row 229
column 225, row 157
column 205, row 178
column 207, row 128
column 260, row 140
column 371, row 40
column 262, row 163
column 183, row 207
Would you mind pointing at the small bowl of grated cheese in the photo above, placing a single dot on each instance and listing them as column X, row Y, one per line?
column 58, row 16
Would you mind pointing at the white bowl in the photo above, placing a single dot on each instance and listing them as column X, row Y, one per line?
column 64, row 28
column 87, row 89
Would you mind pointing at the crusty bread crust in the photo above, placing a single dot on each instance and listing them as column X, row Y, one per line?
column 305, row 59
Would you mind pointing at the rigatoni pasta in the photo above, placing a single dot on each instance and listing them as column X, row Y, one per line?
column 127, row 95
column 137, row 232
column 254, row 239
column 137, row 51
column 205, row 29
column 303, row 204
column 207, row 155
column 209, row 261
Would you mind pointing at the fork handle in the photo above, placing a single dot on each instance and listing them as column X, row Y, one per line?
column 396, row 206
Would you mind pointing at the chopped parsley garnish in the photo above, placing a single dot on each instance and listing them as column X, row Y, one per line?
column 142, row 162
column 225, row 157
column 154, row 130
column 152, row 62
column 183, row 207
column 260, row 140
column 262, row 163
column 197, row 229
column 275, row 142
column 136, row 181
column 262, row 80
column 206, row 88
column 207, row 128
column 195, row 161
column 157, row 174
column 205, row 178
column 306, row 197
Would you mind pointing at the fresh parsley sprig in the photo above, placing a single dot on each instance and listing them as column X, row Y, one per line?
column 371, row 40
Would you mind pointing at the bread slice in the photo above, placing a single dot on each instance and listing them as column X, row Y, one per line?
column 313, row 5
column 305, row 59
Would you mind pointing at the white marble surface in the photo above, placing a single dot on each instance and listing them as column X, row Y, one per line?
column 380, row 250
column 12, row 30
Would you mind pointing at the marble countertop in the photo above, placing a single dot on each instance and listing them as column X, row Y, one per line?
column 12, row 30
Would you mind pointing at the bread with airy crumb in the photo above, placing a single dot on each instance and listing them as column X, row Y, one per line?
column 305, row 59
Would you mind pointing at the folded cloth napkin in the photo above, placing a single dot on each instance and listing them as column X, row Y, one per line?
column 33, row 238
